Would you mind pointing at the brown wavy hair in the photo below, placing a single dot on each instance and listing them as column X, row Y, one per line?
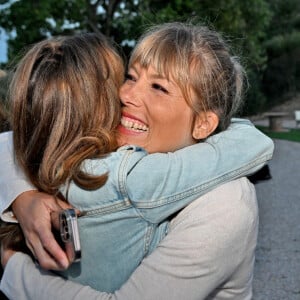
column 66, row 108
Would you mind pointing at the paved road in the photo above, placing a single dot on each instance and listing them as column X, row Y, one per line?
column 277, row 266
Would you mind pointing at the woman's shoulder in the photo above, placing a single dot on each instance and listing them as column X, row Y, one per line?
column 230, row 204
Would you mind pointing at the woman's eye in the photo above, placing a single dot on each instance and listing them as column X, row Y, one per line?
column 128, row 77
column 159, row 87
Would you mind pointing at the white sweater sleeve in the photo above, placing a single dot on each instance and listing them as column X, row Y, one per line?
column 12, row 181
column 208, row 250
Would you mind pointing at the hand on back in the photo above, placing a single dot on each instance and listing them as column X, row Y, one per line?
column 37, row 213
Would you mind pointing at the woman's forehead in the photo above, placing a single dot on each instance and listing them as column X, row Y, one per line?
column 160, row 66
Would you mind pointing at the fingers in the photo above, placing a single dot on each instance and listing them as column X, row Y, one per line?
column 44, row 247
column 48, row 253
column 55, row 220
column 33, row 211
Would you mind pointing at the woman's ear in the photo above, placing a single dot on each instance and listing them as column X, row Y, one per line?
column 205, row 124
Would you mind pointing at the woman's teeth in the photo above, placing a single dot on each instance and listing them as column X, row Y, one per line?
column 132, row 125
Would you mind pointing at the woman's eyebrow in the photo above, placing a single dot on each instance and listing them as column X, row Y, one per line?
column 156, row 75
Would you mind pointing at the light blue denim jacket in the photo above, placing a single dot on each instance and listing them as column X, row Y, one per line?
column 126, row 218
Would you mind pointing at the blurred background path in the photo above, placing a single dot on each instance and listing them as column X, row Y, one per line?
column 277, row 266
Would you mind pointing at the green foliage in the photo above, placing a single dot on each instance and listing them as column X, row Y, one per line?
column 286, row 14
column 4, row 107
column 264, row 33
column 29, row 21
column 4, row 82
column 283, row 44
column 281, row 78
column 289, row 135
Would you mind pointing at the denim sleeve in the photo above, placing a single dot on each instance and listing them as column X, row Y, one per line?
column 12, row 180
column 161, row 184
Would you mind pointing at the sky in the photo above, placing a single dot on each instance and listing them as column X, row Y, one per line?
column 3, row 35
column 3, row 47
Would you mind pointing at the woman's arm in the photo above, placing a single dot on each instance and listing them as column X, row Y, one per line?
column 180, row 177
column 210, row 248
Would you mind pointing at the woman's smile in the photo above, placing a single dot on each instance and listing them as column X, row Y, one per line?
column 133, row 124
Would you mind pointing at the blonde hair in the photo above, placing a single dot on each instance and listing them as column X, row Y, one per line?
column 197, row 59
column 65, row 108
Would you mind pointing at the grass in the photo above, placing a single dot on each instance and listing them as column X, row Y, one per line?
column 289, row 135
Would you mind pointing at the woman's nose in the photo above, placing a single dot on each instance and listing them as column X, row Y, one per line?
column 129, row 95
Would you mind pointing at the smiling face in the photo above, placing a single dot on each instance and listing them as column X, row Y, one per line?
column 155, row 114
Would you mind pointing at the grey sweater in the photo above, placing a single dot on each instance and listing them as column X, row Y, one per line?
column 207, row 254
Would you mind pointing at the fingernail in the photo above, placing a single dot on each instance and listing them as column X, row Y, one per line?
column 64, row 263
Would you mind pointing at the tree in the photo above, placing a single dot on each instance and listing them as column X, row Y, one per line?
column 29, row 21
column 243, row 22
column 4, row 109
column 282, row 76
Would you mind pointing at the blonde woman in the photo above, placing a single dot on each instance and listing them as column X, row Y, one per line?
column 182, row 87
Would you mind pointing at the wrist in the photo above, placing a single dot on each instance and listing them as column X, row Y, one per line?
column 21, row 198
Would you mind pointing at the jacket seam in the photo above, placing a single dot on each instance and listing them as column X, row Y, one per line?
column 205, row 186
